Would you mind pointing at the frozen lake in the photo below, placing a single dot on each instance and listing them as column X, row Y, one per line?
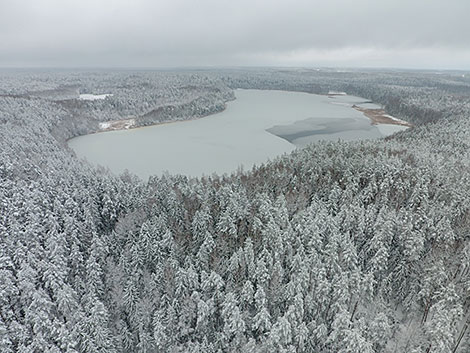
column 255, row 127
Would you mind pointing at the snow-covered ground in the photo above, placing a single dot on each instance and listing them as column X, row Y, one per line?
column 105, row 125
column 93, row 97
column 117, row 124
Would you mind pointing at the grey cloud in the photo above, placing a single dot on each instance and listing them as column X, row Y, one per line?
column 220, row 32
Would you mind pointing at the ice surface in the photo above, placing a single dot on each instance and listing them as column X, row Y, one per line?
column 387, row 129
column 224, row 141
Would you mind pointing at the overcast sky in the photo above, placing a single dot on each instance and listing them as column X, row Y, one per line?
column 168, row 33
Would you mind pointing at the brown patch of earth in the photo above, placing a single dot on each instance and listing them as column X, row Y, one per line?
column 379, row 116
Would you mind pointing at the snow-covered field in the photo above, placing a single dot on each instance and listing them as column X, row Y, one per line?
column 117, row 124
column 94, row 97
column 105, row 125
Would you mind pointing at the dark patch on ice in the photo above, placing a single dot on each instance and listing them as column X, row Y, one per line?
column 312, row 127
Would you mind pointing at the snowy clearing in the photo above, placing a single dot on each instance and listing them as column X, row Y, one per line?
column 94, row 97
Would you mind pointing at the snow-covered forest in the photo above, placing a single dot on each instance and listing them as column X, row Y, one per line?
column 351, row 247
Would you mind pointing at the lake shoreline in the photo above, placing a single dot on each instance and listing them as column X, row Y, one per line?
column 257, row 126
column 380, row 117
column 130, row 124
column 377, row 116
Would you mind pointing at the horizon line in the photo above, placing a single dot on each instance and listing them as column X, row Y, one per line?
column 209, row 67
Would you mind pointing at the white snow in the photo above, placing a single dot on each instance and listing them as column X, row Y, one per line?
column 93, row 97
column 118, row 124
column 129, row 123
column 105, row 125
